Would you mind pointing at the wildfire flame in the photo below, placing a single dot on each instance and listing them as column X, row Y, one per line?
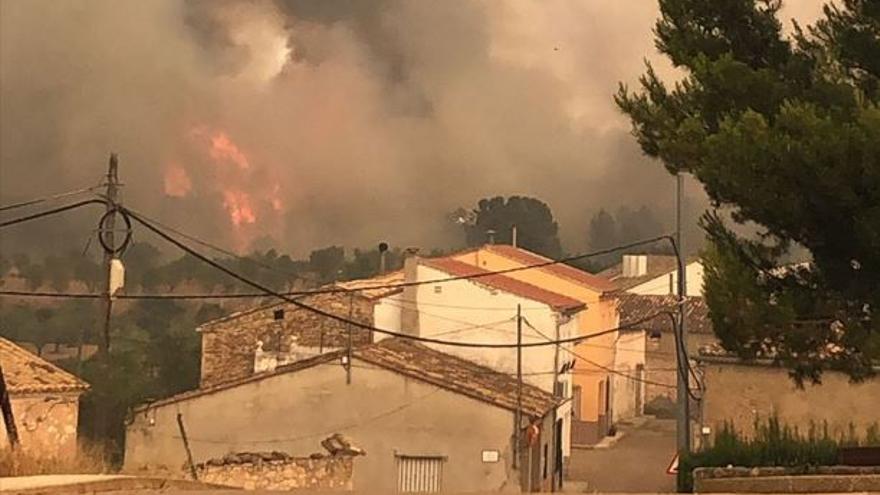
column 223, row 149
column 177, row 181
column 238, row 205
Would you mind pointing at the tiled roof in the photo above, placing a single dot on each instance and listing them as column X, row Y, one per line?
column 455, row 374
column 363, row 286
column 418, row 362
column 658, row 265
column 562, row 270
column 27, row 373
column 504, row 283
column 633, row 307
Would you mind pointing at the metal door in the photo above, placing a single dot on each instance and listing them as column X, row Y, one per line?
column 419, row 474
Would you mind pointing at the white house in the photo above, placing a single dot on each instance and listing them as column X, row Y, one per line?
column 483, row 310
column 654, row 275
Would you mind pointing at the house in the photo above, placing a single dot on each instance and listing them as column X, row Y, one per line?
column 738, row 393
column 647, row 352
column 591, row 358
column 653, row 274
column 427, row 420
column 237, row 345
column 45, row 402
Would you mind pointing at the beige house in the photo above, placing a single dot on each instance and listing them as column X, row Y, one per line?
column 415, row 411
column 738, row 392
column 655, row 339
column 45, row 402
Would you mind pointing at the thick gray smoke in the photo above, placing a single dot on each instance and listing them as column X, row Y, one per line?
column 315, row 122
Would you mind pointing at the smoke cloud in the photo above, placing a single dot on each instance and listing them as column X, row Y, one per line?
column 316, row 123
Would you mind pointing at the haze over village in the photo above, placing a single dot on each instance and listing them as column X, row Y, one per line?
column 415, row 247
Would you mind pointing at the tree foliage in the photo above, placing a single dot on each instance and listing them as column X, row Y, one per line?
column 535, row 226
column 785, row 132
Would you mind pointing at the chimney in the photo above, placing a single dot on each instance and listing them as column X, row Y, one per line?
column 409, row 315
column 634, row 265
column 513, row 236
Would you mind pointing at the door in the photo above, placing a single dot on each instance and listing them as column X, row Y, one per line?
column 419, row 474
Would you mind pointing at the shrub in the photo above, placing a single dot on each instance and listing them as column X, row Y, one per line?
column 20, row 462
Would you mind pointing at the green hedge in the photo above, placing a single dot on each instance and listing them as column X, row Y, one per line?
column 772, row 445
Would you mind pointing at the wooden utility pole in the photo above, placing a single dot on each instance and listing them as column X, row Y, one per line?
column 519, row 383
column 8, row 417
column 108, row 234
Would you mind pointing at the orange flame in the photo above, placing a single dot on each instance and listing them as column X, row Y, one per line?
column 177, row 181
column 239, row 206
column 222, row 148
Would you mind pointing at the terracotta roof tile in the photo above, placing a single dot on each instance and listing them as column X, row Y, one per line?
column 504, row 283
column 363, row 286
column 455, row 374
column 560, row 269
column 27, row 373
column 633, row 307
column 418, row 362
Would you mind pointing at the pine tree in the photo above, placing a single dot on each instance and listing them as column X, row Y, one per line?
column 784, row 133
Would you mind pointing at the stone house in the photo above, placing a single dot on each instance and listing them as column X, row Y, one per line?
column 427, row 420
column 656, row 340
column 739, row 393
column 45, row 402
column 273, row 334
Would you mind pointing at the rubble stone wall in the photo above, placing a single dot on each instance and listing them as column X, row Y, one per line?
column 46, row 424
column 229, row 346
column 324, row 473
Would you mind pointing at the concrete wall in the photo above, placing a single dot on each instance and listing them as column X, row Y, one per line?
column 660, row 367
column 46, row 424
column 628, row 394
column 382, row 412
column 739, row 393
column 228, row 347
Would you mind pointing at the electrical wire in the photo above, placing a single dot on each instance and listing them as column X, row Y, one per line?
column 48, row 198
column 594, row 363
column 357, row 324
column 53, row 211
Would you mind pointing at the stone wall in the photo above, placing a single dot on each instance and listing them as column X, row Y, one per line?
column 821, row 479
column 279, row 473
column 229, row 344
column 46, row 424
column 739, row 393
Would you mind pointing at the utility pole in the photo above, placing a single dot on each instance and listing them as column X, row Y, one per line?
column 348, row 352
column 108, row 237
column 8, row 417
column 682, row 388
column 108, row 234
column 519, row 384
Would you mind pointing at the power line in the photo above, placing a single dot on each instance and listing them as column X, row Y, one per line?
column 354, row 323
column 51, row 197
column 594, row 363
column 53, row 211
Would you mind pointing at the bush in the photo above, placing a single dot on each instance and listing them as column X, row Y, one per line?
column 772, row 445
column 23, row 463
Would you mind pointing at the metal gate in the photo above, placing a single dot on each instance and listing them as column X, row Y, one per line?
column 419, row 474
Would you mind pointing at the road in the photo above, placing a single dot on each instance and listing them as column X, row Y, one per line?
column 636, row 463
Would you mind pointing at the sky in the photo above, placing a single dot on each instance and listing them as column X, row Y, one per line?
column 305, row 123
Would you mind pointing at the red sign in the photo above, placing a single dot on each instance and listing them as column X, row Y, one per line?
column 673, row 466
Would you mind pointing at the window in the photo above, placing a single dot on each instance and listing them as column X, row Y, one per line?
column 438, row 289
column 278, row 314
column 419, row 474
